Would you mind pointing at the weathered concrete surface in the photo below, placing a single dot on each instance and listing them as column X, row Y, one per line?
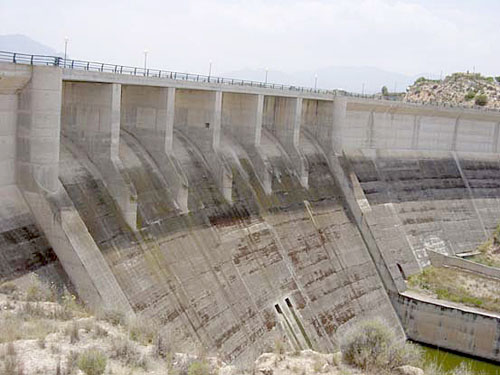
column 12, row 79
column 282, row 118
column 431, row 203
column 23, row 247
column 242, row 116
column 148, row 114
column 400, row 126
column 198, row 116
column 234, row 215
column 91, row 119
column 215, row 275
column 449, row 325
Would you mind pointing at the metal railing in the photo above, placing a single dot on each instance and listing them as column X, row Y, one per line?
column 22, row 58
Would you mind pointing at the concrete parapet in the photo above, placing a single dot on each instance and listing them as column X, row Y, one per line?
column 91, row 119
column 198, row 117
column 242, row 118
column 282, row 117
column 449, row 325
column 148, row 114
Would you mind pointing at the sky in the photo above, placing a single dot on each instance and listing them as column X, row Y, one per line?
column 404, row 36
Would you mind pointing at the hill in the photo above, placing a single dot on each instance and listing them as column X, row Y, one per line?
column 465, row 89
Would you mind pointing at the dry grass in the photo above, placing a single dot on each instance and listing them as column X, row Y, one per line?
column 458, row 286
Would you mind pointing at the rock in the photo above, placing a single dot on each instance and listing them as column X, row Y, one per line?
column 409, row 370
column 266, row 371
column 228, row 370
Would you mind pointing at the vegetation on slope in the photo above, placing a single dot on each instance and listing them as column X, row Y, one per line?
column 459, row 286
column 489, row 251
column 463, row 89
column 45, row 333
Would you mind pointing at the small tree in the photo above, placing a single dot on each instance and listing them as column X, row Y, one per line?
column 385, row 92
column 92, row 362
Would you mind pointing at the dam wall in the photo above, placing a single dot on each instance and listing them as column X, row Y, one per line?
column 233, row 215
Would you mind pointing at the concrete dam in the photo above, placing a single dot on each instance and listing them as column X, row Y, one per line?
column 234, row 214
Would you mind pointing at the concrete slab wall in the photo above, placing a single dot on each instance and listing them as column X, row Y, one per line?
column 91, row 119
column 317, row 119
column 282, row 117
column 148, row 114
column 242, row 116
column 198, row 116
column 397, row 127
column 450, row 326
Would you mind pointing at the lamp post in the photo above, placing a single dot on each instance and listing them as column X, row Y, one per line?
column 145, row 60
column 363, row 89
column 315, row 81
column 209, row 69
column 66, row 40
column 267, row 71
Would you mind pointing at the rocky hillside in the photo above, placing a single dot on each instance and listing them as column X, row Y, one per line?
column 462, row 89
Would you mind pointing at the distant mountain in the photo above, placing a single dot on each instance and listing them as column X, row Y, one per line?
column 342, row 77
column 23, row 44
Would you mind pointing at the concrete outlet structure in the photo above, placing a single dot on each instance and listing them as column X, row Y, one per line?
column 233, row 215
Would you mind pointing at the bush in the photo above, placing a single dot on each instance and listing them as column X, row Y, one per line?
column 470, row 95
column 8, row 288
column 374, row 345
column 199, row 368
column 385, row 91
column 497, row 79
column 92, row 362
column 481, row 100
column 142, row 331
column 125, row 351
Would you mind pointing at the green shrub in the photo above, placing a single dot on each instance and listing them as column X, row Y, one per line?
column 92, row 362
column 374, row 345
column 481, row 100
column 470, row 95
column 385, row 91
column 199, row 368
column 497, row 79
